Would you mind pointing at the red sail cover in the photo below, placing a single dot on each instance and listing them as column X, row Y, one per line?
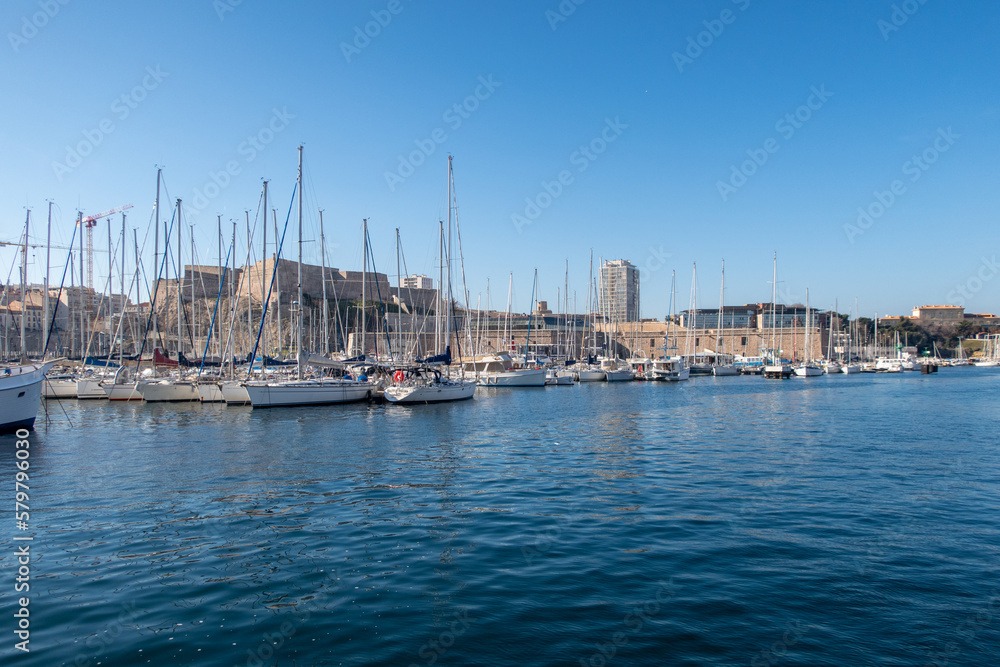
column 160, row 360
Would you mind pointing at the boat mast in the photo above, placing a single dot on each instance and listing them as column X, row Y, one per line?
column 83, row 321
column 774, row 292
column 399, row 311
column 121, row 322
column 156, row 252
column 219, row 265
column 298, row 334
column 364, row 283
column 720, row 343
column 45, row 300
column 180, row 267
column 447, row 328
column 24, row 280
column 440, row 299
column 326, row 306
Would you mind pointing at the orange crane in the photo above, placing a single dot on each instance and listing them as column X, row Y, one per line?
column 89, row 223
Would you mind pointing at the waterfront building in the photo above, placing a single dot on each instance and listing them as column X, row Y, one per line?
column 618, row 293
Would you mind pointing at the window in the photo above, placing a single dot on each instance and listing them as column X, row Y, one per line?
column 652, row 342
column 744, row 341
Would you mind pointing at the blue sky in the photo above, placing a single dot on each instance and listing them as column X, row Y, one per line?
column 682, row 132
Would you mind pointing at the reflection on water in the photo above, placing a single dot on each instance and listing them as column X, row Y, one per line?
column 698, row 521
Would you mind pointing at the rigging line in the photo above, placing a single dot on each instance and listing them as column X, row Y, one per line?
column 270, row 287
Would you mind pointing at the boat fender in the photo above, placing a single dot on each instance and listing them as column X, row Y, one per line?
column 398, row 376
column 362, row 378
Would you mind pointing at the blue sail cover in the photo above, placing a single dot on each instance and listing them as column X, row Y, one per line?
column 444, row 359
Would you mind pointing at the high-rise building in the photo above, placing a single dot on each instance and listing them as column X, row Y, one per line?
column 618, row 297
column 416, row 282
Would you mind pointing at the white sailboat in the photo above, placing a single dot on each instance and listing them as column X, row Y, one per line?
column 20, row 394
column 775, row 368
column 807, row 368
column 426, row 383
column 671, row 368
column 21, row 384
column 303, row 391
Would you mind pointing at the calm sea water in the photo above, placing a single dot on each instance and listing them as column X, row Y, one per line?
column 848, row 520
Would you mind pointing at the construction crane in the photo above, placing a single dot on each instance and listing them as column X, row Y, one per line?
column 89, row 223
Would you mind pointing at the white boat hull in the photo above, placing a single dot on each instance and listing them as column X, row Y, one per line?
column 529, row 377
column 20, row 396
column 307, row 392
column 59, row 388
column 850, row 369
column 622, row 375
column 166, row 391
column 593, row 375
column 210, row 392
column 234, row 393
column 808, row 371
column 555, row 380
column 90, row 389
column 122, row 392
column 431, row 392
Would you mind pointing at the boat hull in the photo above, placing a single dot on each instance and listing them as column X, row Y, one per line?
column 90, row 389
column 20, row 396
column 59, row 388
column 434, row 392
column 808, row 371
column 624, row 375
column 168, row 392
column 592, row 375
column 292, row 394
column 122, row 392
column 234, row 393
column 725, row 371
column 520, row 378
column 210, row 392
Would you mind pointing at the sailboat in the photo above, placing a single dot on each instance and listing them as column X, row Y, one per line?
column 301, row 391
column 807, row 368
column 775, row 368
column 425, row 383
column 21, row 384
column 667, row 367
column 174, row 388
column 721, row 368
